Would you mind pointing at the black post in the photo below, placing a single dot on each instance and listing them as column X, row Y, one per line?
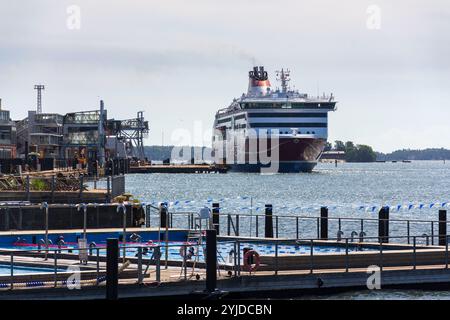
column 324, row 223
column 383, row 225
column 442, row 227
column 215, row 217
column 268, row 221
column 211, row 260
column 163, row 215
column 112, row 268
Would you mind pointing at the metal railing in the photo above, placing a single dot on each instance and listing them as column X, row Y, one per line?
column 297, row 227
column 385, row 253
column 145, row 263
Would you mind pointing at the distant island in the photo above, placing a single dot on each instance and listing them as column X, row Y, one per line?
column 409, row 154
column 353, row 153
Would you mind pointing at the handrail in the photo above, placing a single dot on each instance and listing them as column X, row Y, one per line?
column 310, row 217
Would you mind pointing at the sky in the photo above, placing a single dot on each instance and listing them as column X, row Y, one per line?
column 386, row 62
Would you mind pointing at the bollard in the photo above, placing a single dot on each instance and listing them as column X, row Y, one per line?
column 163, row 215
column 81, row 187
column 112, row 268
column 324, row 223
column 108, row 188
column 211, row 260
column 216, row 217
column 268, row 221
column 442, row 227
column 383, row 225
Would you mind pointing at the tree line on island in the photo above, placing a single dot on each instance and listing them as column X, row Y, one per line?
column 365, row 153
column 353, row 152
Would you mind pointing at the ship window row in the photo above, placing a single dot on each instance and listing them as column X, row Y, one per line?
column 288, row 115
column 223, row 120
column 293, row 105
column 268, row 131
column 241, row 116
column 288, row 124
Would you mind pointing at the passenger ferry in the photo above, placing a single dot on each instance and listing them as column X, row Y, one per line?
column 282, row 128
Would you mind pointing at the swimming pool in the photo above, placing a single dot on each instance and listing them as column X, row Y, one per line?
column 150, row 238
column 5, row 269
column 225, row 250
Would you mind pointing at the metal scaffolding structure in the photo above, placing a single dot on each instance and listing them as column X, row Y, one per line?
column 39, row 88
column 133, row 131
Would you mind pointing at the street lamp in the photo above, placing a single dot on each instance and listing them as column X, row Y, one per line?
column 44, row 205
column 124, row 240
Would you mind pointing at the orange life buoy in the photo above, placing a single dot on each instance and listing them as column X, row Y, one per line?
column 247, row 265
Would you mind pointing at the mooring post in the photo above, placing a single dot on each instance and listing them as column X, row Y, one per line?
column 28, row 187
column 53, row 188
column 383, row 225
column 81, row 186
column 211, row 260
column 108, row 188
column 324, row 223
column 216, row 217
column 163, row 215
column 112, row 268
column 268, row 221
column 442, row 227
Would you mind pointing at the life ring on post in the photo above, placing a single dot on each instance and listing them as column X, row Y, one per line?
column 256, row 259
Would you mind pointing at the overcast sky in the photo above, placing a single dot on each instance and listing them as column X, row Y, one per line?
column 180, row 61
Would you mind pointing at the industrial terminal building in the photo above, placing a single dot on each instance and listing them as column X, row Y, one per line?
column 7, row 135
column 74, row 138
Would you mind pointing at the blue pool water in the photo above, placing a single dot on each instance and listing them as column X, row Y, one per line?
column 225, row 249
column 6, row 270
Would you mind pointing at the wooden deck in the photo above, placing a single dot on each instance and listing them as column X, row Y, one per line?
column 174, row 283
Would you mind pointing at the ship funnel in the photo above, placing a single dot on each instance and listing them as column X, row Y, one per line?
column 258, row 82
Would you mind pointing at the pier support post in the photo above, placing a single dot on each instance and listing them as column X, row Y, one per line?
column 383, row 225
column 211, row 260
column 268, row 221
column 442, row 227
column 163, row 215
column 216, row 217
column 324, row 223
column 112, row 268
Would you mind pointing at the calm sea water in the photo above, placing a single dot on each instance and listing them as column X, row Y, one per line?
column 344, row 189
column 347, row 185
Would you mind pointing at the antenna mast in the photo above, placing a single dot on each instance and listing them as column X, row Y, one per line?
column 284, row 77
column 39, row 88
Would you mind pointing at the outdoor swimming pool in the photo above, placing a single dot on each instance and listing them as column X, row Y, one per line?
column 68, row 243
column 5, row 269
column 225, row 250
